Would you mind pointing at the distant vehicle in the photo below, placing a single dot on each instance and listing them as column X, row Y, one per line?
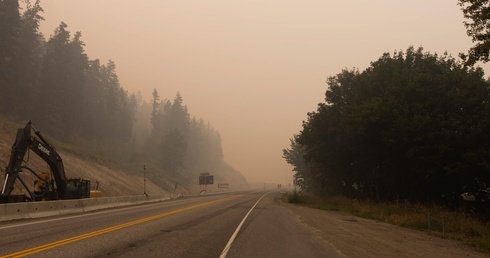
column 52, row 186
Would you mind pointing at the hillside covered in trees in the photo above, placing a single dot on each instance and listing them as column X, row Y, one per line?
column 412, row 126
column 79, row 101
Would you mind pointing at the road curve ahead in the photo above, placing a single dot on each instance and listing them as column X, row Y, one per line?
column 247, row 224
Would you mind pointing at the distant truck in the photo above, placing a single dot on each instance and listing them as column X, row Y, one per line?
column 52, row 186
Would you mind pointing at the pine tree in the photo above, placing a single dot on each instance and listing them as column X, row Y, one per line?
column 10, row 25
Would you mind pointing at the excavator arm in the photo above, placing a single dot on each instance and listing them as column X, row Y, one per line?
column 39, row 145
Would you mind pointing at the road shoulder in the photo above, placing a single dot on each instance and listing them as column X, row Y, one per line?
column 358, row 237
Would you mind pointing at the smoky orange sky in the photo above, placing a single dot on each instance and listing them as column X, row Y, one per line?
column 253, row 68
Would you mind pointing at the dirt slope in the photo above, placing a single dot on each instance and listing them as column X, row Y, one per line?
column 113, row 181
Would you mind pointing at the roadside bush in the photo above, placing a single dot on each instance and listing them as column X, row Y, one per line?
column 296, row 198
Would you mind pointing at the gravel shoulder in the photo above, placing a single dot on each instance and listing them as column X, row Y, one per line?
column 358, row 237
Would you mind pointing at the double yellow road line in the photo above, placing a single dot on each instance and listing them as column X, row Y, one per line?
column 41, row 248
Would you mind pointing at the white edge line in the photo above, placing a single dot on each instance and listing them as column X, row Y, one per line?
column 228, row 245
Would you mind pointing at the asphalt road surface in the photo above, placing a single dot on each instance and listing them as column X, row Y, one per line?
column 247, row 224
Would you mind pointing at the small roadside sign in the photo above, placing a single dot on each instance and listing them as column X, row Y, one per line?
column 206, row 180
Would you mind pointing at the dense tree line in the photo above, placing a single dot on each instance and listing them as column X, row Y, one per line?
column 55, row 84
column 413, row 125
column 67, row 95
column 21, row 51
column 181, row 142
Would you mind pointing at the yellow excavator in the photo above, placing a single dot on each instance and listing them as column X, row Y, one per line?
column 52, row 186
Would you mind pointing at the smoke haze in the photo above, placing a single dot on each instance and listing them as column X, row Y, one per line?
column 253, row 69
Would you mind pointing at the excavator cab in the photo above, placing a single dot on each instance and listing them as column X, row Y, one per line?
column 77, row 188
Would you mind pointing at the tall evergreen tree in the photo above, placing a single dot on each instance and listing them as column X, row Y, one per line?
column 63, row 82
column 114, row 105
column 30, row 59
column 54, row 77
column 173, row 151
column 204, row 146
column 77, row 68
column 92, row 116
column 156, row 113
column 10, row 25
column 175, row 116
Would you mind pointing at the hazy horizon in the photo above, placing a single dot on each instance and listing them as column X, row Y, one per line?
column 252, row 69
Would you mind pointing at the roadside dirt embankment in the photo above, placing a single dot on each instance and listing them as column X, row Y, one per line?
column 112, row 181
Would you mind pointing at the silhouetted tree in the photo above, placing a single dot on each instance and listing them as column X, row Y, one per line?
column 92, row 114
column 62, row 82
column 10, row 25
column 175, row 116
column 156, row 112
column 173, row 150
column 31, row 53
column 412, row 125
column 477, row 27
column 303, row 176
column 116, row 106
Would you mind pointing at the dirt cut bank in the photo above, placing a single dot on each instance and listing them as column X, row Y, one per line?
column 112, row 181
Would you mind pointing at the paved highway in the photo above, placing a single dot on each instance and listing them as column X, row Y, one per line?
column 247, row 224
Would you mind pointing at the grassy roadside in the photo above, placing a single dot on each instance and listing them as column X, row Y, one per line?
column 435, row 220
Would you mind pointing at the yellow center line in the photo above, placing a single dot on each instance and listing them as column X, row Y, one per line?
column 40, row 248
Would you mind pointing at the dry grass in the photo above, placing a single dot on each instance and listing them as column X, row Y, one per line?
column 461, row 226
